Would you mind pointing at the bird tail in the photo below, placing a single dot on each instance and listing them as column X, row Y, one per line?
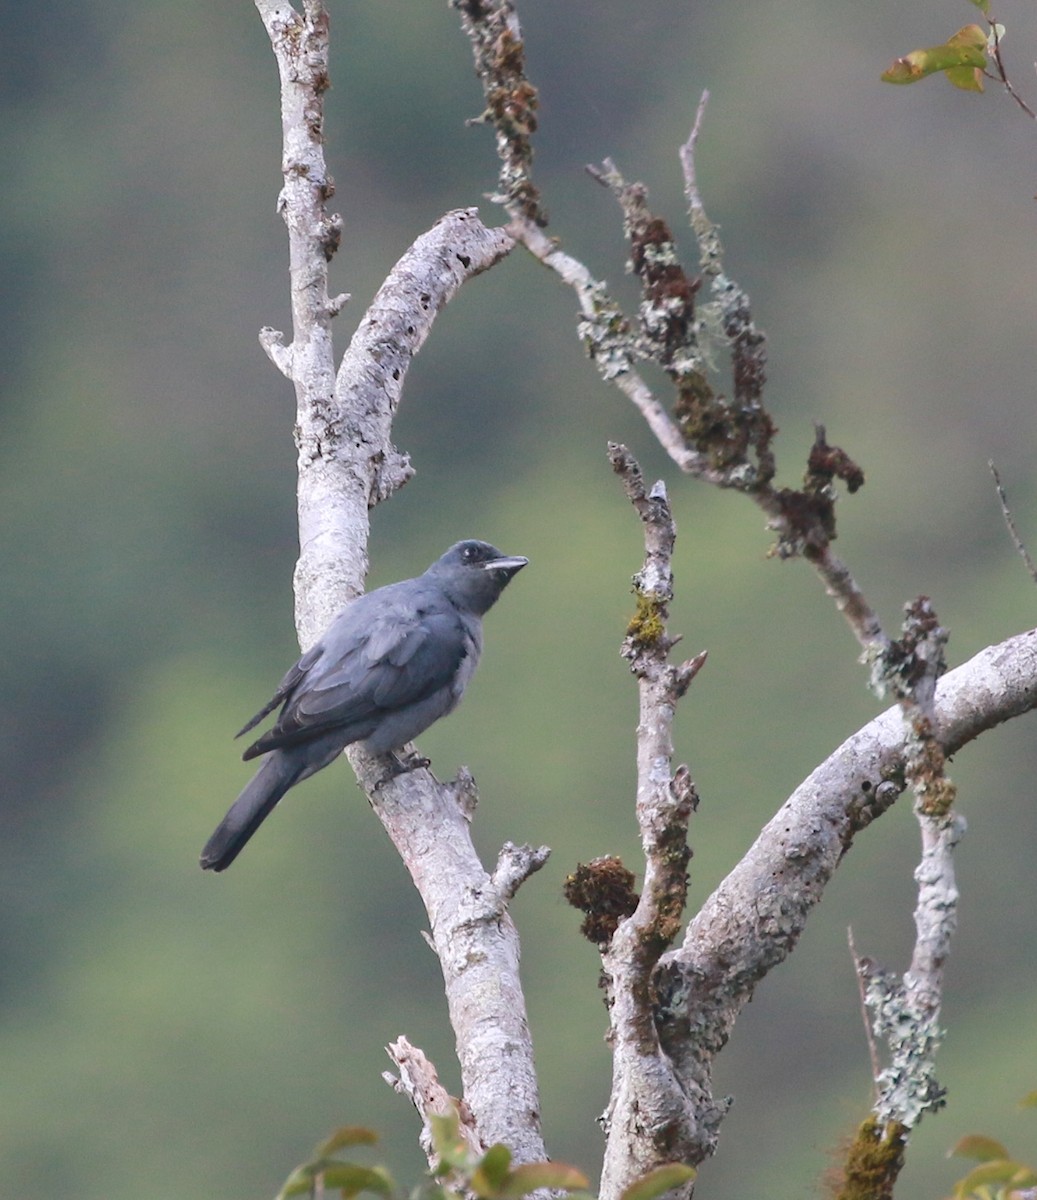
column 277, row 774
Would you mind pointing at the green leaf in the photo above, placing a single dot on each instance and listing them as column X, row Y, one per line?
column 348, row 1177
column 530, row 1176
column 1029, row 1100
column 491, row 1171
column 982, row 5
column 450, row 1147
column 961, row 58
column 658, row 1181
column 975, row 1145
column 300, row 1181
column 966, row 78
column 348, row 1135
column 998, row 1171
column 351, row 1178
column 445, row 1128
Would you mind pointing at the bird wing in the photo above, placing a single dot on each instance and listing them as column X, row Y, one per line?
column 370, row 663
column 284, row 688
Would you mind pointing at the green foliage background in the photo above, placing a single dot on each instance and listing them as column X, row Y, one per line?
column 169, row 1034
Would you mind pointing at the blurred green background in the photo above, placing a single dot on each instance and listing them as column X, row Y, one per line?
column 169, row 1034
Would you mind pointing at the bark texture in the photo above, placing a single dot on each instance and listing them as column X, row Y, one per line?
column 347, row 463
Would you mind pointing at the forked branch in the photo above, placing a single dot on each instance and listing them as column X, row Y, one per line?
column 347, row 464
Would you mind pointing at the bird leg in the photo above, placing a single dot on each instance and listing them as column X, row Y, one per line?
column 398, row 762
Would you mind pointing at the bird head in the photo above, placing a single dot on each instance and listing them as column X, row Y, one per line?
column 475, row 573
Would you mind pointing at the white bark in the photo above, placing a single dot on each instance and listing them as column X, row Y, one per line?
column 476, row 943
column 418, row 1081
column 905, row 1014
column 754, row 918
column 646, row 1122
column 671, row 1012
column 347, row 463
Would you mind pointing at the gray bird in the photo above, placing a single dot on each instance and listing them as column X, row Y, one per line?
column 391, row 663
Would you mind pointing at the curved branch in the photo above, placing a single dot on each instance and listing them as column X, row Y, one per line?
column 754, row 918
column 347, row 464
column 347, row 461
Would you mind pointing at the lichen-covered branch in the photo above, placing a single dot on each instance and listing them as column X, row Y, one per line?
column 734, row 435
column 347, row 463
column 492, row 27
column 754, row 918
column 904, row 1014
column 667, row 331
column 723, row 441
column 731, row 438
column 803, row 518
column 648, row 1121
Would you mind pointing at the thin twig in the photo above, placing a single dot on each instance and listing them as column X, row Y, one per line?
column 873, row 1052
column 1006, row 512
column 1002, row 75
column 687, row 154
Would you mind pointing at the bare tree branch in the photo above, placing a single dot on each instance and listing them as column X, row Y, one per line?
column 419, row 1082
column 492, row 27
column 849, row 600
column 347, row 463
column 873, row 1052
column 476, row 943
column 1013, row 531
column 754, row 918
column 347, row 460
column 648, row 1121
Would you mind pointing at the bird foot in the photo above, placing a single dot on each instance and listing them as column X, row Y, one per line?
column 410, row 762
column 401, row 764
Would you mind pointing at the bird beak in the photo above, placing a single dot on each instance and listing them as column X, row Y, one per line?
column 508, row 564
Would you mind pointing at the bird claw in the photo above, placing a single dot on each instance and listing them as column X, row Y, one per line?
column 410, row 762
column 401, row 764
